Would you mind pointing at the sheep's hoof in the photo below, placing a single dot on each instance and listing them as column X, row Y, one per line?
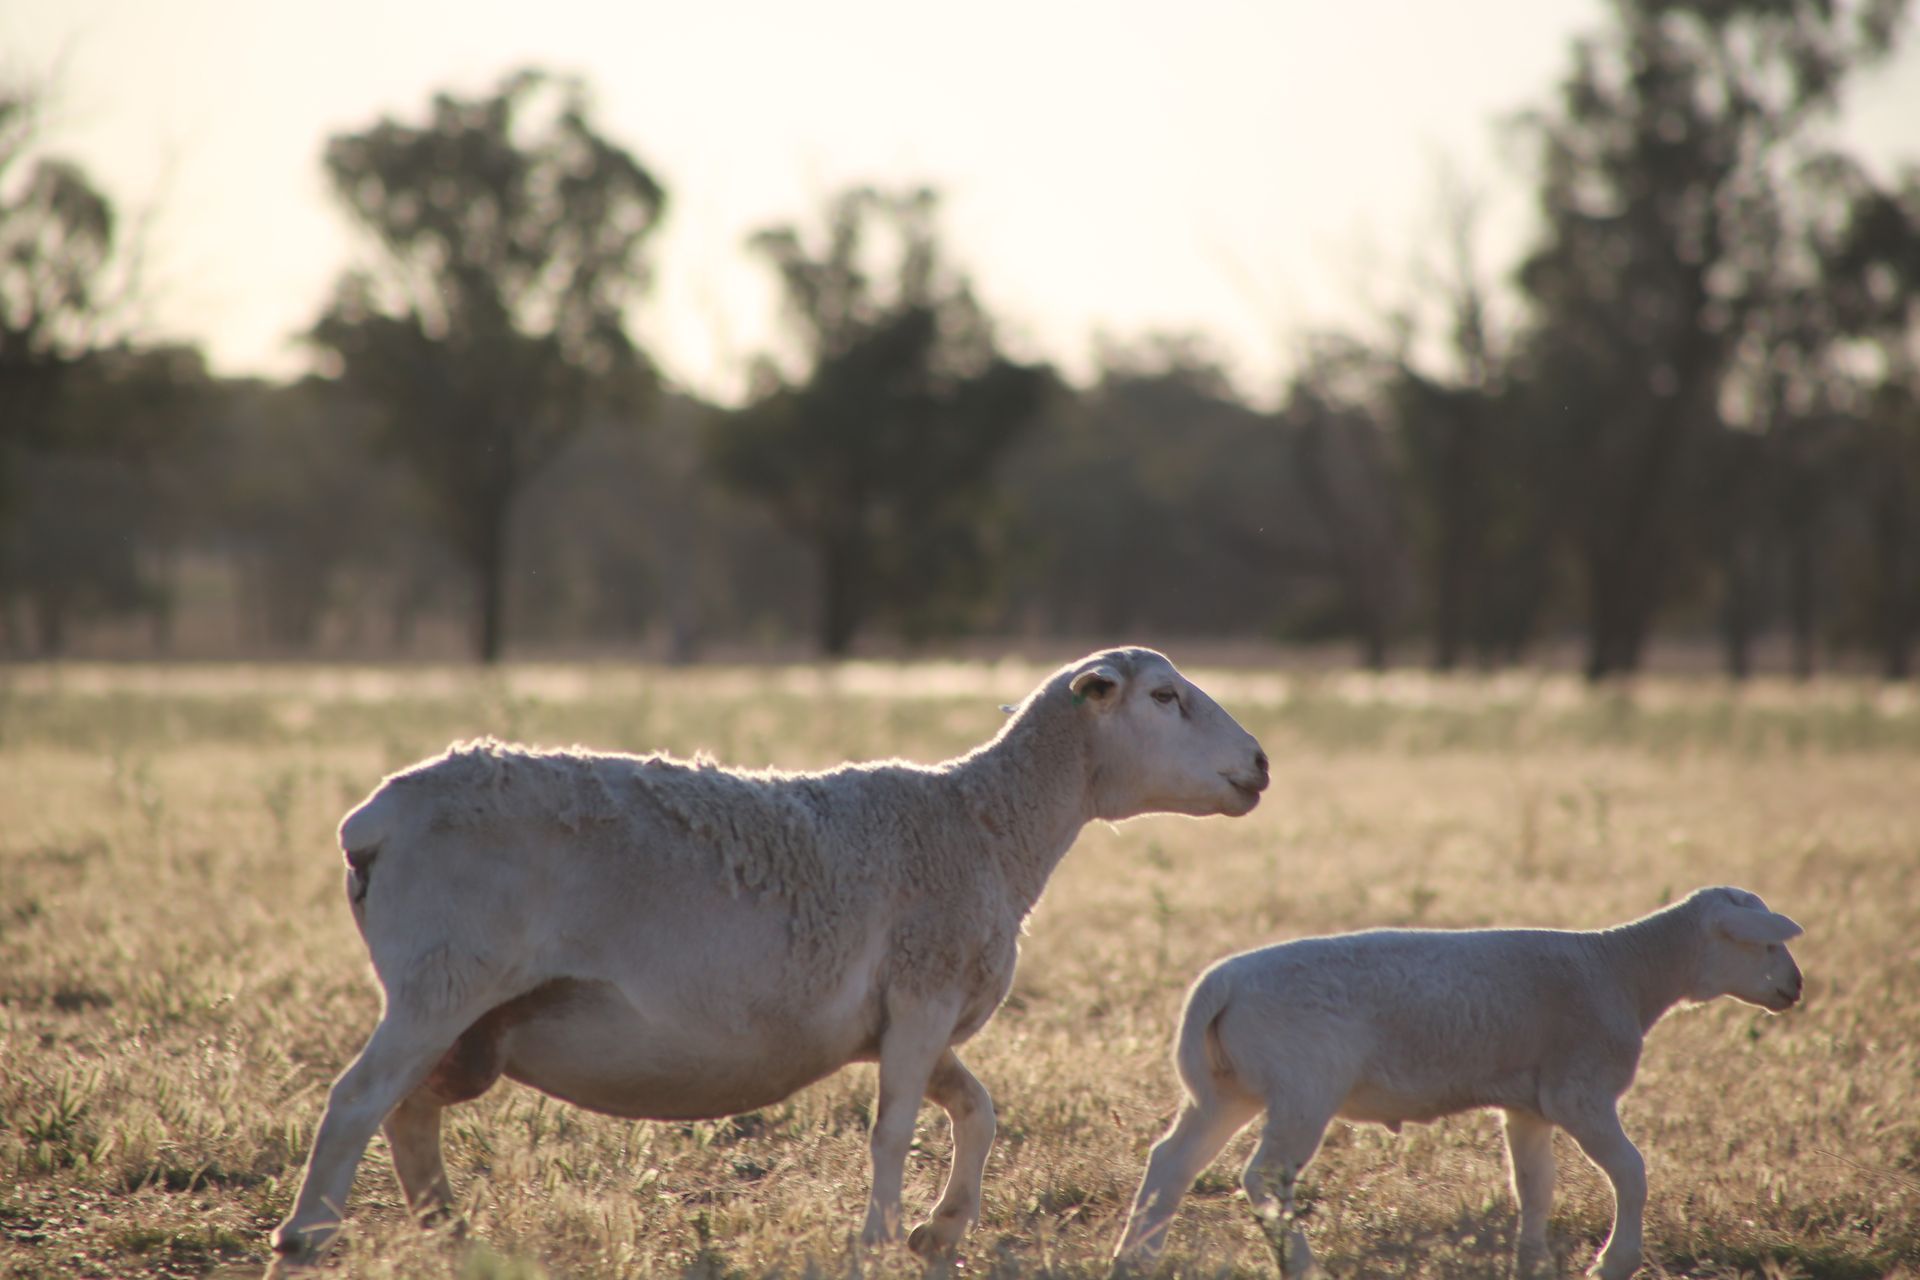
column 924, row 1242
column 442, row 1219
column 292, row 1256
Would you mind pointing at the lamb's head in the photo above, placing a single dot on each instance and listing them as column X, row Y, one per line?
column 1158, row 743
column 1744, row 954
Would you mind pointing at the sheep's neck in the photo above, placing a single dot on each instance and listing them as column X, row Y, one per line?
column 1027, row 789
column 1655, row 957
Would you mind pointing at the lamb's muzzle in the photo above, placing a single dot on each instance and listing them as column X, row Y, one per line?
column 565, row 919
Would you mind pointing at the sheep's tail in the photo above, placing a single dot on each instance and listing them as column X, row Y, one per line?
column 363, row 833
column 1200, row 1056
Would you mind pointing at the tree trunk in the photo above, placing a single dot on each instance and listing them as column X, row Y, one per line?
column 1736, row 624
column 1453, row 588
column 1621, row 602
column 1736, row 618
column 842, row 588
column 1895, row 590
column 490, row 579
column 1800, row 599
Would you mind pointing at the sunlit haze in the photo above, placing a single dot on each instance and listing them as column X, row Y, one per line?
column 1245, row 171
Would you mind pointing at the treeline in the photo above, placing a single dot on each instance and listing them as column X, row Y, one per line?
column 1690, row 407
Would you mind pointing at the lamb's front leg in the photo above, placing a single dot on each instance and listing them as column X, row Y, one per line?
column 969, row 1111
column 1607, row 1145
column 915, row 1038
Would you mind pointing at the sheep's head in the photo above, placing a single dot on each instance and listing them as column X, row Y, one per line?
column 1158, row 743
column 1746, row 955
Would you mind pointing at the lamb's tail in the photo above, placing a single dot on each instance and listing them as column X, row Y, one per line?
column 1200, row 1056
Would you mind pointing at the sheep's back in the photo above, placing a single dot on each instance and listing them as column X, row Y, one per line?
column 647, row 816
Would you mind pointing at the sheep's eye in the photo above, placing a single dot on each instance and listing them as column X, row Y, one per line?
column 1165, row 696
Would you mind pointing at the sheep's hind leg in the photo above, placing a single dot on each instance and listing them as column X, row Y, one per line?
column 1530, row 1152
column 467, row 1070
column 413, row 1138
column 397, row 1058
column 1197, row 1136
column 969, row 1111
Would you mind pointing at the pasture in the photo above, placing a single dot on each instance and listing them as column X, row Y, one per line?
column 180, row 979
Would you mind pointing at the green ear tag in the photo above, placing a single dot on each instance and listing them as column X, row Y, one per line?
column 1079, row 698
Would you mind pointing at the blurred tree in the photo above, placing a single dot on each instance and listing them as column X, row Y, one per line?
column 1341, row 458
column 60, row 297
column 1477, row 523
column 88, row 420
column 310, row 518
column 1873, row 276
column 104, row 502
column 57, row 297
column 1162, row 467
column 1660, row 206
column 510, row 236
column 880, row 456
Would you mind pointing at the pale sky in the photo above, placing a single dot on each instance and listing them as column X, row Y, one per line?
column 1248, row 170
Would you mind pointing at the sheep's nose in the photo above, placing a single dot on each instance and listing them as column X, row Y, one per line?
column 1260, row 762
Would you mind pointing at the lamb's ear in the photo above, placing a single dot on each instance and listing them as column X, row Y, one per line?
column 1095, row 683
column 1756, row 925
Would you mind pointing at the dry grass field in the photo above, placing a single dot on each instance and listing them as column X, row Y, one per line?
column 180, row 980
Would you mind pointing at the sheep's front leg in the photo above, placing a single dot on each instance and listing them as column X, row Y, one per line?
column 914, row 1040
column 969, row 1111
column 398, row 1056
column 1607, row 1145
column 1530, row 1152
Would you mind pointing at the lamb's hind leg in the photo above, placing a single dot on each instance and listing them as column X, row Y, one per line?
column 1291, row 1137
column 1203, row 1128
column 969, row 1111
column 1530, row 1152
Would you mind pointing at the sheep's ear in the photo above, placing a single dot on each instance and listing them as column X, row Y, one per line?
column 1756, row 925
column 1096, row 683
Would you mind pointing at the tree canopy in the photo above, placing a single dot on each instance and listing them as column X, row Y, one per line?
column 880, row 455
column 510, row 240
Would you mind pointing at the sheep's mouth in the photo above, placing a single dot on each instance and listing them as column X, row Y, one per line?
column 1249, row 792
column 1783, row 1001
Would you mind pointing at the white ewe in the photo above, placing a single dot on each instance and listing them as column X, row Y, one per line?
column 1395, row 1026
column 653, row 938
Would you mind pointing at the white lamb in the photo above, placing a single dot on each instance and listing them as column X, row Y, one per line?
column 1396, row 1026
column 655, row 938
